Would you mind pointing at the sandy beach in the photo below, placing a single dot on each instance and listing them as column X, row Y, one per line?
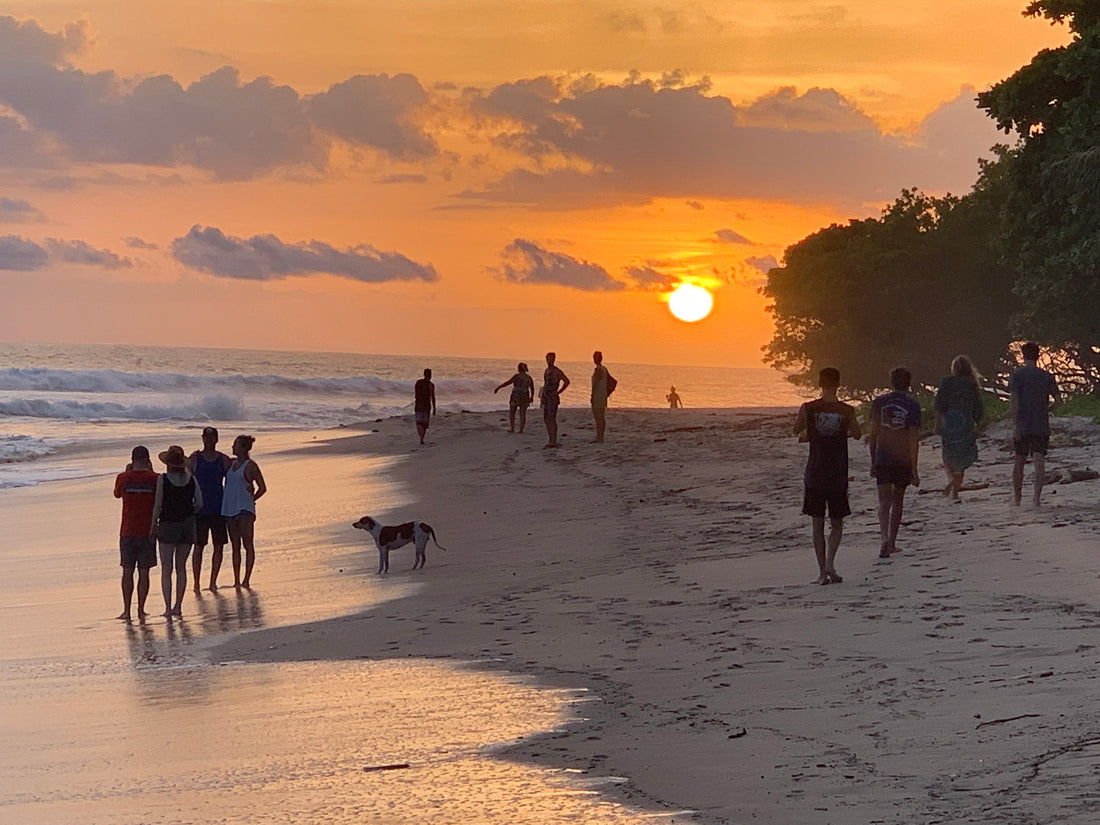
column 668, row 572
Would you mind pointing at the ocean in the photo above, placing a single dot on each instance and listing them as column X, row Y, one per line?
column 62, row 401
column 106, row 722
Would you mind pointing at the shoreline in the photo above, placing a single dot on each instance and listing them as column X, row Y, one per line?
column 668, row 572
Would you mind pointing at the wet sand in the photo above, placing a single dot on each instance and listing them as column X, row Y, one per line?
column 669, row 571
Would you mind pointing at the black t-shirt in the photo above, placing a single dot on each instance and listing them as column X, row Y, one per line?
column 422, row 391
column 827, row 425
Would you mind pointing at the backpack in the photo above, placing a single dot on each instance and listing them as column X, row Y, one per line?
column 611, row 384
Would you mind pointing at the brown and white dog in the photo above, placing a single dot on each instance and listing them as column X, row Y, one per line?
column 390, row 538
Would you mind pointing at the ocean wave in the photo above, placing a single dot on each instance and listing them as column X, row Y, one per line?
column 211, row 408
column 16, row 449
column 15, row 379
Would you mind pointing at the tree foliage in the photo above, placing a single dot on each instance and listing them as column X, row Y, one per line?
column 1049, row 217
column 917, row 287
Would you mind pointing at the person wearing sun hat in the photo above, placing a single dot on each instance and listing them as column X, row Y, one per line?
column 178, row 498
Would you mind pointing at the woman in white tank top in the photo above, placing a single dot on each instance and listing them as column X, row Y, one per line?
column 244, row 484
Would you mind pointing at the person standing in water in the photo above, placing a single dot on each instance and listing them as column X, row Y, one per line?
column 209, row 467
column 673, row 399
column 244, row 485
column 523, row 393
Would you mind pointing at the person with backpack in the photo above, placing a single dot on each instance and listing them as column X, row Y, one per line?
column 602, row 387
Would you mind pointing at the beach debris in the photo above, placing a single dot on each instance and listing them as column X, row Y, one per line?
column 1008, row 719
column 737, row 734
column 394, row 767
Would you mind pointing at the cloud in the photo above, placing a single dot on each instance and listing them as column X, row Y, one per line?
column 266, row 258
column 408, row 178
column 20, row 254
column 525, row 262
column 378, row 111
column 138, row 243
column 13, row 210
column 651, row 276
column 79, row 252
column 764, row 264
column 233, row 128
column 582, row 141
column 730, row 236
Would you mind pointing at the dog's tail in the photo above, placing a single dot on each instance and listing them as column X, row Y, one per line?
column 432, row 532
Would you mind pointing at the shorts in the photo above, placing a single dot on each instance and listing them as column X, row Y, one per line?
column 177, row 532
column 423, row 419
column 1031, row 444
column 137, row 551
column 212, row 526
column 814, row 502
column 523, row 401
column 550, row 404
column 244, row 514
column 899, row 475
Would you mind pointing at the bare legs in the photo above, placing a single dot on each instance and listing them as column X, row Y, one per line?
column 216, row 565
column 128, row 591
column 954, row 483
column 421, row 430
column 891, row 500
column 173, row 559
column 241, row 532
column 196, row 566
column 551, row 430
column 1040, row 461
column 512, row 408
column 600, row 414
column 825, row 548
column 522, row 417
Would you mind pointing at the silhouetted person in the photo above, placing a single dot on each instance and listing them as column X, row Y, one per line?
column 894, row 443
column 523, row 393
column 178, row 500
column 423, row 404
column 958, row 410
column 601, row 389
column 674, row 399
column 554, row 383
column 1030, row 389
column 209, row 467
column 137, row 487
column 827, row 424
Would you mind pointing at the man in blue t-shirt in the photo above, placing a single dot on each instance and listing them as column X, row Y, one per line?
column 894, row 442
column 1030, row 390
column 827, row 424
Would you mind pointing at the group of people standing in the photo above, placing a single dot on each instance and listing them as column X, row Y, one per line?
column 201, row 498
column 894, row 441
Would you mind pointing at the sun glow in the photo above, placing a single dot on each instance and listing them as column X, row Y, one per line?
column 690, row 303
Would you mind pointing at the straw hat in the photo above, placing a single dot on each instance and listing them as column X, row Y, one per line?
column 173, row 456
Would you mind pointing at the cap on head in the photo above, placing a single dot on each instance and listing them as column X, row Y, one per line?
column 173, row 456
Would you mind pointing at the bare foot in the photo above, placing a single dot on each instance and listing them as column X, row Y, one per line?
column 124, row 616
column 167, row 614
column 834, row 577
column 213, row 587
column 177, row 611
column 884, row 550
column 822, row 579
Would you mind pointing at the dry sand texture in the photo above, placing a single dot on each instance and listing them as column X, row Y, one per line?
column 669, row 571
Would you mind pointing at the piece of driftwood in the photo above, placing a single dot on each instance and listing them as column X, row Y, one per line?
column 1008, row 719
column 396, row 767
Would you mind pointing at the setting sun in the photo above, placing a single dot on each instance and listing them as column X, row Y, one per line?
column 689, row 302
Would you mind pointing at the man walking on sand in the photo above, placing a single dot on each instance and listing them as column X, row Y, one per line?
column 137, row 487
column 894, row 443
column 1030, row 390
column 554, row 383
column 423, row 403
column 827, row 424
column 600, row 381
column 209, row 467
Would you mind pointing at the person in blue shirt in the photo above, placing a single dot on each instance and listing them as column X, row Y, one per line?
column 894, row 443
column 1030, row 390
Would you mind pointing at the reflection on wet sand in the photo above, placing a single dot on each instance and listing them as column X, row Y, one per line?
column 227, row 610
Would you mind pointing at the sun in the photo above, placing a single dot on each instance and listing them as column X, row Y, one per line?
column 691, row 303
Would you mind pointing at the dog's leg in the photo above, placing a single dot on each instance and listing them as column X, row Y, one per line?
column 383, row 560
column 421, row 543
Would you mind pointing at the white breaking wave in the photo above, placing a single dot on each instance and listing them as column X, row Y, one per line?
column 213, row 408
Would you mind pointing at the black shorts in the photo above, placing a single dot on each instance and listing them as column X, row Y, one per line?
column 814, row 503
column 1031, row 444
column 899, row 475
column 137, row 551
column 210, row 526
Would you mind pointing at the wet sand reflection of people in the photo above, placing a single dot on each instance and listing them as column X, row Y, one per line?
column 523, row 393
column 223, row 614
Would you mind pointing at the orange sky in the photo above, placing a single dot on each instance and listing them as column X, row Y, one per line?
column 467, row 177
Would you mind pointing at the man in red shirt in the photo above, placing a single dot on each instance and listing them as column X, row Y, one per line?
column 137, row 488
